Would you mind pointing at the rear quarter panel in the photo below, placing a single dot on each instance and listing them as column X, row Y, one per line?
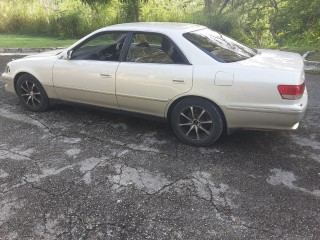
column 252, row 100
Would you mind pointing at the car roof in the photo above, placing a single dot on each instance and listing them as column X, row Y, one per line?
column 164, row 27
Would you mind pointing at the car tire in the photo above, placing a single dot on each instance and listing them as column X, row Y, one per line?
column 197, row 122
column 31, row 93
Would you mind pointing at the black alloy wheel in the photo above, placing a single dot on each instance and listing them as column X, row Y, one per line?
column 197, row 122
column 32, row 95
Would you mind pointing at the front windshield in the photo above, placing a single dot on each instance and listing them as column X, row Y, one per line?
column 218, row 46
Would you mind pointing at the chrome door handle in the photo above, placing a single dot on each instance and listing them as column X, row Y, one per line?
column 105, row 75
column 178, row 80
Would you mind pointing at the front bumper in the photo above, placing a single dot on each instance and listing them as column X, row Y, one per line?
column 8, row 80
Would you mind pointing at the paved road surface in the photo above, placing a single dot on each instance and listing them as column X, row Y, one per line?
column 76, row 173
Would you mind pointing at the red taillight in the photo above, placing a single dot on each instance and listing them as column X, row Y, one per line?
column 291, row 91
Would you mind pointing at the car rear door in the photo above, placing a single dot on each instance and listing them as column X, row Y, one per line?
column 154, row 72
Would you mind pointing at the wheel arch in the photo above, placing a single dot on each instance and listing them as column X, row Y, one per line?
column 18, row 75
column 175, row 102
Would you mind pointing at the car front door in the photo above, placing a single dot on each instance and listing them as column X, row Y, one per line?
column 154, row 72
column 89, row 75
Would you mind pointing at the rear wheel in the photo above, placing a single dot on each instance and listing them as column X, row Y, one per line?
column 197, row 122
column 31, row 93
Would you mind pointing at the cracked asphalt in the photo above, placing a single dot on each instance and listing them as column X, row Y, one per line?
column 78, row 173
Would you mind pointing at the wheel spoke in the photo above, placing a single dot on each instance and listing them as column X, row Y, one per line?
column 28, row 99
column 33, row 85
column 185, row 124
column 29, row 90
column 33, row 101
column 24, row 89
column 182, row 114
column 24, row 95
column 203, row 111
column 192, row 113
column 36, row 99
column 206, row 122
column 36, row 93
column 197, row 132
column 192, row 127
column 205, row 130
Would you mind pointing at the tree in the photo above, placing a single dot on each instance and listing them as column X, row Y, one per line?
column 95, row 3
column 134, row 7
column 208, row 5
column 224, row 4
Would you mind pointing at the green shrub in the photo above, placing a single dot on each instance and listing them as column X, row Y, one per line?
column 69, row 24
column 76, row 18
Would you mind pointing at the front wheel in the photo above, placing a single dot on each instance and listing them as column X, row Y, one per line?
column 197, row 122
column 31, row 93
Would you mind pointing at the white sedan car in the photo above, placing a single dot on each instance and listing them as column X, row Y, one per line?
column 201, row 81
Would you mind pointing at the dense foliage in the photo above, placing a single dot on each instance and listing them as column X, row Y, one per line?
column 256, row 22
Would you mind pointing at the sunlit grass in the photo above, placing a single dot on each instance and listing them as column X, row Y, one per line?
column 24, row 41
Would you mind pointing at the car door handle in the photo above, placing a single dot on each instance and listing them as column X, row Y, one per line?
column 178, row 80
column 105, row 75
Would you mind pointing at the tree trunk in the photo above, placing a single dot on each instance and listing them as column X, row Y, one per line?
column 136, row 7
column 273, row 20
column 224, row 5
column 208, row 5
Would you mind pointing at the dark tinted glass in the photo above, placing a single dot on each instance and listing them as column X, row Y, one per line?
column 103, row 47
column 218, row 46
column 153, row 48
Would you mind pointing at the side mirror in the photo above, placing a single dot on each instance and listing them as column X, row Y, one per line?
column 67, row 55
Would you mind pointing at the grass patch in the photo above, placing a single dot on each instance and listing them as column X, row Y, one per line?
column 313, row 72
column 25, row 41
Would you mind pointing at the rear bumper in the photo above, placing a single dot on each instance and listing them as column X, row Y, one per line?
column 283, row 117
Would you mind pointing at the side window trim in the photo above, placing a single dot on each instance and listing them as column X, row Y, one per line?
column 129, row 39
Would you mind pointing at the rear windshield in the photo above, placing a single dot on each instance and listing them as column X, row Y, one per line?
column 218, row 46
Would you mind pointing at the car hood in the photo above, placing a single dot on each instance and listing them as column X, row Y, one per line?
column 274, row 59
column 46, row 54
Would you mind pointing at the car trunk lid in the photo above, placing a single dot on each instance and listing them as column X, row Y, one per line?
column 274, row 59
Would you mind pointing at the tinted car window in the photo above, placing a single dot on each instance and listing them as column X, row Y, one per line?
column 218, row 46
column 153, row 48
column 103, row 47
